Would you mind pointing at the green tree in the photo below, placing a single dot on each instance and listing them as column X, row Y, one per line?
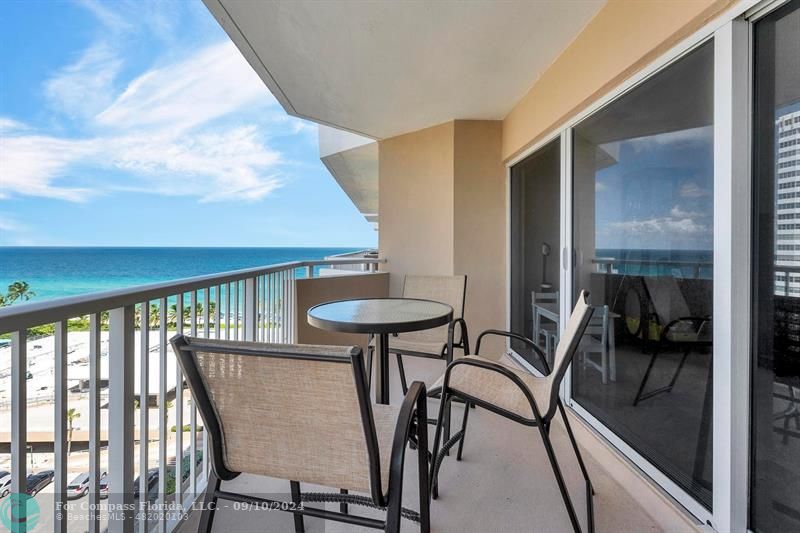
column 72, row 415
column 154, row 315
column 17, row 291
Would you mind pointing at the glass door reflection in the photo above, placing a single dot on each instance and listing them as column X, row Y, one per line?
column 643, row 236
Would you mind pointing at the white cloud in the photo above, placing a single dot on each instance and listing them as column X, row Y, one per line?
column 30, row 163
column 661, row 226
column 218, row 166
column 210, row 84
column 693, row 190
column 195, row 127
column 9, row 125
column 111, row 20
column 85, row 87
column 678, row 212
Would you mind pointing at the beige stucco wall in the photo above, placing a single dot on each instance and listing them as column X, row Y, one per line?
column 309, row 292
column 415, row 201
column 480, row 225
column 442, row 208
column 624, row 37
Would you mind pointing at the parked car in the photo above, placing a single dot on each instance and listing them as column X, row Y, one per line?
column 152, row 485
column 5, row 483
column 103, row 486
column 36, row 482
column 79, row 486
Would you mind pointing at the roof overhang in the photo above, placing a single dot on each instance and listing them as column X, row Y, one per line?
column 353, row 162
column 385, row 68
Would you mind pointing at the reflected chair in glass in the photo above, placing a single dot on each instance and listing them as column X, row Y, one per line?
column 547, row 329
column 787, row 390
column 681, row 331
column 303, row 413
column 518, row 396
column 598, row 340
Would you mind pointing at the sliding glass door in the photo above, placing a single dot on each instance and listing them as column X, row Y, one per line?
column 535, row 244
column 775, row 438
column 642, row 229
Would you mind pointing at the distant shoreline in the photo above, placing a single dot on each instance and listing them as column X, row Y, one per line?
column 56, row 271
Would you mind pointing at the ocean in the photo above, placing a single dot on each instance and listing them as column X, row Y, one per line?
column 675, row 263
column 53, row 272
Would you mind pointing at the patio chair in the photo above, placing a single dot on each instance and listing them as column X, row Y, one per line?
column 680, row 331
column 302, row 413
column 596, row 340
column 517, row 395
column 431, row 343
column 547, row 329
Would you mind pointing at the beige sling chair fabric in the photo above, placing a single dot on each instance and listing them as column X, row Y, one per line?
column 446, row 289
column 293, row 418
column 498, row 390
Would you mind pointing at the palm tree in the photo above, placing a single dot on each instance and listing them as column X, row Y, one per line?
column 72, row 415
column 154, row 315
column 19, row 290
column 172, row 314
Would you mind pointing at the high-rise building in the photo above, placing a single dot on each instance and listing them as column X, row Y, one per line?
column 787, row 200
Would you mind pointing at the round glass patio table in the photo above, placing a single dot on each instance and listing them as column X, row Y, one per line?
column 380, row 317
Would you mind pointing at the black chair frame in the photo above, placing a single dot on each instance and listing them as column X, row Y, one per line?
column 411, row 427
column 663, row 344
column 540, row 420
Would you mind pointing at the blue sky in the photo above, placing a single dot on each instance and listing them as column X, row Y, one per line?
column 659, row 193
column 138, row 123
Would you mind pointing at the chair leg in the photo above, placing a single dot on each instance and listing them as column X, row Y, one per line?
column 574, row 443
column 463, row 431
column 448, row 357
column 678, row 370
column 645, row 378
column 402, row 371
column 641, row 395
column 604, row 365
column 437, row 439
column 209, row 504
column 562, row 486
column 422, row 468
column 299, row 525
column 370, row 355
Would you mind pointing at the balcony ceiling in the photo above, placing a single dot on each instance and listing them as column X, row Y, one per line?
column 386, row 68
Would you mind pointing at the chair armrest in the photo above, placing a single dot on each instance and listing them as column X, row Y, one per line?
column 500, row 369
column 464, row 339
column 413, row 416
column 518, row 337
column 697, row 322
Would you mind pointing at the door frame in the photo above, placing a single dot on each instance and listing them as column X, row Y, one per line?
column 732, row 35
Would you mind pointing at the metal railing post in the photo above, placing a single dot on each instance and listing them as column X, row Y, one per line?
column 60, row 431
column 94, row 422
column 250, row 309
column 309, row 271
column 120, row 419
column 144, row 395
column 19, row 410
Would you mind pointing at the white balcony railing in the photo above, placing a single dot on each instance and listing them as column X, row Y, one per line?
column 251, row 304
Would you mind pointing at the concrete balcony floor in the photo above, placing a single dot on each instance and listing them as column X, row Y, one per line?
column 503, row 484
